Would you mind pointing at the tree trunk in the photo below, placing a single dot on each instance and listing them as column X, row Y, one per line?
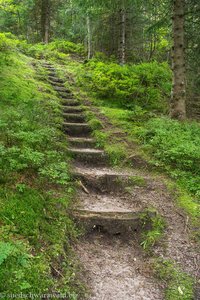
column 89, row 38
column 178, row 96
column 45, row 20
column 123, row 35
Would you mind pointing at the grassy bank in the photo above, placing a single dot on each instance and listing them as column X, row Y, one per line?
column 35, row 187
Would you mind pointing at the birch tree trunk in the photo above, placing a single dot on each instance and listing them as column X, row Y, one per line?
column 89, row 38
column 45, row 20
column 178, row 95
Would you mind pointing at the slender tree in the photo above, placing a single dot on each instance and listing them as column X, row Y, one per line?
column 45, row 20
column 178, row 97
column 89, row 37
column 123, row 34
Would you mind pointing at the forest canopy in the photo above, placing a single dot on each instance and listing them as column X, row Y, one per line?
column 129, row 31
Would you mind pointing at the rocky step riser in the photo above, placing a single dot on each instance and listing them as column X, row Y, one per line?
column 72, row 109
column 124, row 223
column 51, row 69
column 69, row 102
column 48, row 67
column 52, row 75
column 74, row 118
column 90, row 159
column 110, row 183
column 81, row 144
column 55, row 80
column 64, row 95
column 60, row 89
column 55, row 84
column 74, row 130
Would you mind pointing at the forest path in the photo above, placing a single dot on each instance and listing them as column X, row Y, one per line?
column 115, row 267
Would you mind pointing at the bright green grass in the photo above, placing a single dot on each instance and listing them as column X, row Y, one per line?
column 179, row 284
column 35, row 188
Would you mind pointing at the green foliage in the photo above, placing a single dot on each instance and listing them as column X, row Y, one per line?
column 66, row 47
column 26, row 265
column 29, row 126
column 154, row 233
column 7, row 44
column 180, row 286
column 116, row 153
column 137, row 180
column 146, row 85
column 35, row 187
column 100, row 138
column 175, row 146
column 21, row 271
column 56, row 50
column 95, row 124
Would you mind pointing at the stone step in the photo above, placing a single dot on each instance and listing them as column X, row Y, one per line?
column 109, row 181
column 82, row 142
column 74, row 118
column 47, row 66
column 77, row 129
column 70, row 102
column 56, row 83
column 108, row 202
column 89, row 156
column 55, row 79
column 72, row 109
column 62, row 89
column 112, row 222
column 50, row 68
column 52, row 74
column 64, row 95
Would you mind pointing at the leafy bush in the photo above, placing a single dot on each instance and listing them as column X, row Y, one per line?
column 58, row 49
column 66, row 47
column 147, row 85
column 17, row 263
column 176, row 145
column 7, row 44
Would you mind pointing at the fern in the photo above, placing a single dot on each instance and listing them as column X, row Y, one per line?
column 6, row 249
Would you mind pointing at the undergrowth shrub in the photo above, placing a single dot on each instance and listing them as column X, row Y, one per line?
column 58, row 49
column 146, row 85
column 66, row 47
column 176, row 146
column 17, row 266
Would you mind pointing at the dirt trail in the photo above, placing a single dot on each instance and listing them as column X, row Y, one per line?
column 115, row 269
column 115, row 265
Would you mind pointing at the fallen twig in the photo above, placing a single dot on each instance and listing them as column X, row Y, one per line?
column 84, row 188
column 186, row 223
column 58, row 272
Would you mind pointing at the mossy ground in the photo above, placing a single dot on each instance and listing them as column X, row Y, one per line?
column 35, row 185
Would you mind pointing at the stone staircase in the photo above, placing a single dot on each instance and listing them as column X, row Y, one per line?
column 88, row 157
column 104, row 209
